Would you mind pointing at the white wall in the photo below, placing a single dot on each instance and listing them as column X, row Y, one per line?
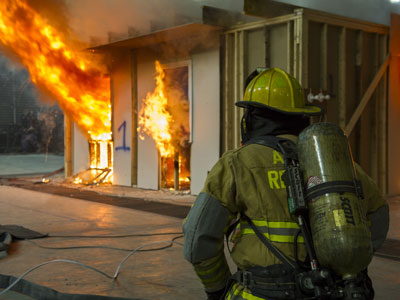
column 122, row 120
column 205, row 119
column 206, row 116
column 80, row 150
column 147, row 151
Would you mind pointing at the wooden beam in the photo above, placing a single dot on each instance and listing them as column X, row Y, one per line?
column 383, row 126
column 349, row 23
column 238, row 84
column 267, row 8
column 260, row 24
column 324, row 58
column 68, row 153
column 342, row 77
column 134, row 117
column 222, row 17
column 296, row 48
column 303, row 75
column 367, row 96
column 375, row 113
column 227, row 89
column 290, row 50
column 267, row 43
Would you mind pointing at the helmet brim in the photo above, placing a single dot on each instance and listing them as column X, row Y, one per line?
column 309, row 110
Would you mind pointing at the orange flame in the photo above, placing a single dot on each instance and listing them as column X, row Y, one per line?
column 80, row 87
column 154, row 118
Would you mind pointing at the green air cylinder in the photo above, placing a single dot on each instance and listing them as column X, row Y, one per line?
column 340, row 234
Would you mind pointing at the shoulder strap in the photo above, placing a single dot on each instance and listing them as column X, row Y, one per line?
column 282, row 145
column 288, row 149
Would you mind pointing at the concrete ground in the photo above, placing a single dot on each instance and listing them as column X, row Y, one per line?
column 162, row 274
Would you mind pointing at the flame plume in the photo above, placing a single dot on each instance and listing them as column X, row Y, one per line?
column 154, row 118
column 82, row 90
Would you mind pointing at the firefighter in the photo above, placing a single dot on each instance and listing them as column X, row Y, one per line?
column 248, row 182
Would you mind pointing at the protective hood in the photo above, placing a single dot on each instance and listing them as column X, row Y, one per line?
column 260, row 121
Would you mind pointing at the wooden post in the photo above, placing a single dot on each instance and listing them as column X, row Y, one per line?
column 304, row 44
column 267, row 36
column 296, row 47
column 160, row 170
column 238, row 84
column 342, row 78
column 323, row 71
column 228, row 92
column 375, row 113
column 383, row 125
column 324, row 58
column 134, row 116
column 176, row 171
column 290, row 49
column 68, row 154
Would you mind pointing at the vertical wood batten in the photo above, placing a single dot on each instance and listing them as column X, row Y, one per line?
column 289, row 50
column 376, row 98
column 296, row 47
column 324, row 63
column 324, row 57
column 134, row 116
column 241, row 82
column 342, row 78
column 236, row 84
column 227, row 93
column 383, row 124
column 303, row 72
column 68, row 171
column 267, row 36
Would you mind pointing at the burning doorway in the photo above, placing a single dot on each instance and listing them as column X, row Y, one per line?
column 165, row 116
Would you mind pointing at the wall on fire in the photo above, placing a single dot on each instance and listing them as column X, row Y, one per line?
column 122, row 118
column 147, row 151
column 80, row 151
column 205, row 118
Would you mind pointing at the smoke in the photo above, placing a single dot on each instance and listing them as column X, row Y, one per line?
column 93, row 20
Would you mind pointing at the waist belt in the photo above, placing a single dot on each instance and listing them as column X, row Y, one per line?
column 272, row 282
column 275, row 282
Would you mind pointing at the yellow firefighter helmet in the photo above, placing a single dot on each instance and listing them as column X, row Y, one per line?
column 277, row 90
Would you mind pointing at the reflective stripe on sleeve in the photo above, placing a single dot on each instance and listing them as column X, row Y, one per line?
column 213, row 273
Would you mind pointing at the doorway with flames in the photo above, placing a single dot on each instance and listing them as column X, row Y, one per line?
column 166, row 117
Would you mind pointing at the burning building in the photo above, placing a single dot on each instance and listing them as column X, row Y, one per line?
column 165, row 108
column 163, row 112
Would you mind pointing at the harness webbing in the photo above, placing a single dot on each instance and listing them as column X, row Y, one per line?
column 282, row 257
column 288, row 149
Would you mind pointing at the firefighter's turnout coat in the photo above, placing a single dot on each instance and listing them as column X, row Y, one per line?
column 249, row 181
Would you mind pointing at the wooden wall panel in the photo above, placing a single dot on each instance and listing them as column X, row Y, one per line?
column 256, row 50
column 323, row 54
column 315, row 54
column 278, row 46
column 351, row 96
column 331, row 108
column 366, row 119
